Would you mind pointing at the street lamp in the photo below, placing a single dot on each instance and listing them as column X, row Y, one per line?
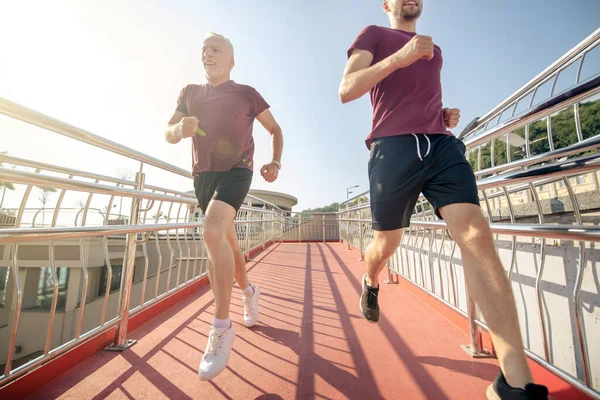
column 348, row 191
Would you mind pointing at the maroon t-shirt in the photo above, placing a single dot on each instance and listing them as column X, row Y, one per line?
column 409, row 100
column 226, row 114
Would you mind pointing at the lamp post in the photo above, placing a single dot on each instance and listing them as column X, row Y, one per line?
column 348, row 191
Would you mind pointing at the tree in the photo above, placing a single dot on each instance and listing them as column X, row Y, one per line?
column 160, row 215
column 333, row 207
column 564, row 133
column 44, row 196
column 125, row 174
column 5, row 185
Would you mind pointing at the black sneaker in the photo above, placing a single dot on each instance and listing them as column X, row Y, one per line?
column 501, row 390
column 368, row 301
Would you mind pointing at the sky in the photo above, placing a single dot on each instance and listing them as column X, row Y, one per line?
column 115, row 68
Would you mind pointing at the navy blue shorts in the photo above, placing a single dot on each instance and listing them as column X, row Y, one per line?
column 402, row 167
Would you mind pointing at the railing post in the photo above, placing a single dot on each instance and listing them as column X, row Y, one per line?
column 475, row 348
column 300, row 228
column 121, row 342
column 323, row 228
column 248, row 231
column 263, row 218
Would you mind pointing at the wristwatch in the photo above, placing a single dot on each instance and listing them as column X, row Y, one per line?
column 276, row 163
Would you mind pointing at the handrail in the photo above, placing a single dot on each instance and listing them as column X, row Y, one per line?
column 68, row 171
column 580, row 147
column 560, row 101
column 32, row 117
column 358, row 196
column 568, row 57
column 38, row 179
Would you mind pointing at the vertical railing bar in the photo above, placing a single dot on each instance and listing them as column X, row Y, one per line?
column 18, row 305
column 54, row 296
column 146, row 265
column 121, row 342
column 108, row 278
column 577, row 288
column 540, row 273
column 187, row 244
column 84, row 289
column 453, row 274
column 514, row 238
column 440, row 265
column 157, row 242
column 171, row 252
column 19, row 218
column 196, row 243
column 180, row 258
column 431, row 243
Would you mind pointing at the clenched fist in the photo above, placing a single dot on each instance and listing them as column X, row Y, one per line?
column 270, row 172
column 451, row 117
column 187, row 127
column 418, row 48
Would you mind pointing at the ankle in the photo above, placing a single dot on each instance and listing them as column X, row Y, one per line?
column 249, row 291
column 224, row 323
column 372, row 283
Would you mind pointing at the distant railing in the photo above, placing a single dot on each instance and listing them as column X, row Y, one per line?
column 150, row 236
column 538, row 167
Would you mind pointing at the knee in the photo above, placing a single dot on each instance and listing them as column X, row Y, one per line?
column 212, row 233
column 385, row 248
column 474, row 231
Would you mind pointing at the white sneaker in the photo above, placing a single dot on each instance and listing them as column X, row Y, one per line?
column 251, row 308
column 216, row 355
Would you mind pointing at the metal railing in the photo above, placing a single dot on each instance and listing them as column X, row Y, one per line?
column 149, row 235
column 538, row 169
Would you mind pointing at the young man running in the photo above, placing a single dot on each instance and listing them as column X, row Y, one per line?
column 219, row 116
column 413, row 152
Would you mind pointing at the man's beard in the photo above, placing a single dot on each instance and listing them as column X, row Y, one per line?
column 410, row 15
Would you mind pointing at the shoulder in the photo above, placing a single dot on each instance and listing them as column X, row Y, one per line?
column 374, row 30
column 193, row 88
column 247, row 89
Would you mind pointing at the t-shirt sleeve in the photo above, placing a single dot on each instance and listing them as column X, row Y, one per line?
column 366, row 40
column 182, row 101
column 257, row 103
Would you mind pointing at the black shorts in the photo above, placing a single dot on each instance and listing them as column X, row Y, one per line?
column 399, row 171
column 230, row 187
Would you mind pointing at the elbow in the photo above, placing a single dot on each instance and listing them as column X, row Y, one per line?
column 344, row 95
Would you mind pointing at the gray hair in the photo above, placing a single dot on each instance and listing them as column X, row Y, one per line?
column 219, row 36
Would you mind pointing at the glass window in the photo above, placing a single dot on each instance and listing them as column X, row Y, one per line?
column 45, row 289
column 115, row 282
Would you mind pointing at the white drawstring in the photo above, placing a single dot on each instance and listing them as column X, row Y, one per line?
column 419, row 147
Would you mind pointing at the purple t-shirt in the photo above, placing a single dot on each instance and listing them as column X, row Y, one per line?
column 409, row 100
column 226, row 114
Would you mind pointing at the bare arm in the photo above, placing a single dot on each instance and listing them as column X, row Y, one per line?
column 175, row 132
column 360, row 76
column 270, row 171
column 268, row 122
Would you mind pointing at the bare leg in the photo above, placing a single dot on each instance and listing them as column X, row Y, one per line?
column 219, row 218
column 490, row 288
column 241, row 277
column 383, row 247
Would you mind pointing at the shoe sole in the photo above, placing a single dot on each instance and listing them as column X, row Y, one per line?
column 490, row 393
